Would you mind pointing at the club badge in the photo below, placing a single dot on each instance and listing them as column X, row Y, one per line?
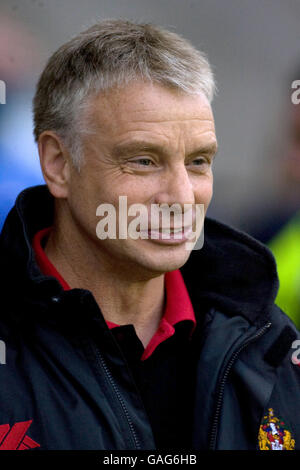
column 273, row 434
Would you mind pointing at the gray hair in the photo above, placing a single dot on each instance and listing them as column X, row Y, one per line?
column 111, row 54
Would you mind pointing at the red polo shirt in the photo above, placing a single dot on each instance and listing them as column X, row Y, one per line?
column 178, row 305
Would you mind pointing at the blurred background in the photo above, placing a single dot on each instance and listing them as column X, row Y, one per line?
column 254, row 48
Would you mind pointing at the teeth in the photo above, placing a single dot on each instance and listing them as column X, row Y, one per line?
column 173, row 230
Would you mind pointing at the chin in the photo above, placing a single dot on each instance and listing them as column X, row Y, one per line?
column 165, row 260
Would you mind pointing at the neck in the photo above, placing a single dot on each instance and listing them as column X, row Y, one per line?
column 123, row 297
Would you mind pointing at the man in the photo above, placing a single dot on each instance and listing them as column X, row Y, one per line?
column 136, row 342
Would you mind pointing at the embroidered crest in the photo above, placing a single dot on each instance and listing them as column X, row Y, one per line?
column 273, row 434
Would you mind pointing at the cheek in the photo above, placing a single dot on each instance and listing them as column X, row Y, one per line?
column 138, row 189
column 204, row 192
column 83, row 202
column 210, row 192
column 83, row 211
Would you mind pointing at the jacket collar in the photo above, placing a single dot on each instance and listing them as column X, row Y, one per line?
column 232, row 272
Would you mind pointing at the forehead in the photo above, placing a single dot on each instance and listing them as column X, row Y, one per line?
column 150, row 107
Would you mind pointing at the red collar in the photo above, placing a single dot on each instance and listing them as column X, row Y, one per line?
column 42, row 259
column 178, row 304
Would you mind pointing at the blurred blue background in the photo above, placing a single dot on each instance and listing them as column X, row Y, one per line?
column 19, row 162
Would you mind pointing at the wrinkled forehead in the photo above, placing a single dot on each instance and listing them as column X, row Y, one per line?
column 139, row 104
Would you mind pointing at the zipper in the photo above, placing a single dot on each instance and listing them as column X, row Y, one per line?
column 119, row 396
column 222, row 383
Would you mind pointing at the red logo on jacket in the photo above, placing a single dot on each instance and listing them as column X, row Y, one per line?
column 15, row 438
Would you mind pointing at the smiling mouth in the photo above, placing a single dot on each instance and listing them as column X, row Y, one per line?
column 166, row 235
column 169, row 229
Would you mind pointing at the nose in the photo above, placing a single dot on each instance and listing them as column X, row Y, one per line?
column 175, row 187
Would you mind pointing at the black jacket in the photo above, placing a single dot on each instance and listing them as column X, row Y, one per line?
column 66, row 381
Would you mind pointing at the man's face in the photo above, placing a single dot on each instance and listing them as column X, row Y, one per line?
column 154, row 146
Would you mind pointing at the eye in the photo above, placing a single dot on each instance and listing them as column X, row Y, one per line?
column 142, row 161
column 200, row 165
column 199, row 162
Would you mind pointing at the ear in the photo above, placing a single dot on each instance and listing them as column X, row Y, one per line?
column 55, row 163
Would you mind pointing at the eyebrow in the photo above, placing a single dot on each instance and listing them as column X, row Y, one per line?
column 138, row 146
column 209, row 149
